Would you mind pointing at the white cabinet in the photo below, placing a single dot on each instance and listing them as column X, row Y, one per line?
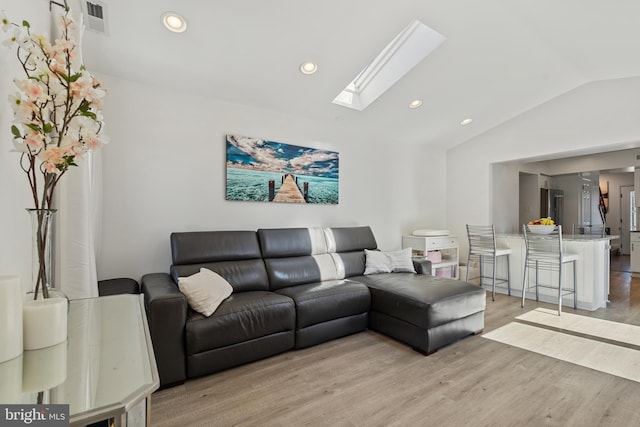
column 635, row 251
column 443, row 249
column 592, row 270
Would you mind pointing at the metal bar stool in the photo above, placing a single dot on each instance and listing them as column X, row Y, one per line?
column 545, row 252
column 482, row 247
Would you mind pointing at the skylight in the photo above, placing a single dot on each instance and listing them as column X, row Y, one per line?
column 405, row 51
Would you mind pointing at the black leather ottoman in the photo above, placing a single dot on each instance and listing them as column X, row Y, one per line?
column 425, row 312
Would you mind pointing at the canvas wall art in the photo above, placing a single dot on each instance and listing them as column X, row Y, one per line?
column 269, row 171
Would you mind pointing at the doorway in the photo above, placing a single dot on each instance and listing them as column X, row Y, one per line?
column 627, row 213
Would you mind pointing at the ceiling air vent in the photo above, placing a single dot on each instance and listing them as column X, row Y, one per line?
column 96, row 16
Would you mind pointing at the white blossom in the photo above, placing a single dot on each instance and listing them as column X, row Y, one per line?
column 56, row 110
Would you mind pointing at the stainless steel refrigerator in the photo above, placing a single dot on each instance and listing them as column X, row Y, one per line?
column 551, row 204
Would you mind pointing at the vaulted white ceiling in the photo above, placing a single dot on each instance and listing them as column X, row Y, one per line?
column 500, row 57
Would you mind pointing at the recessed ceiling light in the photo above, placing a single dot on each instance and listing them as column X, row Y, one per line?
column 415, row 103
column 308, row 67
column 174, row 22
column 465, row 122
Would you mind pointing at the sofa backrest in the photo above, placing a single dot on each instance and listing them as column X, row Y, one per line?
column 235, row 255
column 295, row 256
column 348, row 245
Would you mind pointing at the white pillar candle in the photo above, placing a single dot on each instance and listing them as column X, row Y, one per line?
column 45, row 368
column 11, row 381
column 44, row 322
column 11, row 295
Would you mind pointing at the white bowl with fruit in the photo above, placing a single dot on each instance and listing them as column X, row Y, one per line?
column 542, row 226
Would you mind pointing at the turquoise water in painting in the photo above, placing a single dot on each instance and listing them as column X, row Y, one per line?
column 321, row 190
column 249, row 185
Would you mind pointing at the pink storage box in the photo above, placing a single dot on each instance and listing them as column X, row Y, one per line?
column 434, row 256
column 444, row 272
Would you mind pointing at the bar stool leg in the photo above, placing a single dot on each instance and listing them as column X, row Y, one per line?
column 468, row 264
column 560, row 290
column 524, row 282
column 508, row 277
column 575, row 287
column 468, row 267
column 537, row 296
column 493, row 283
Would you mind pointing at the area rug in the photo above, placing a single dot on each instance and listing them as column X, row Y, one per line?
column 599, row 328
column 561, row 342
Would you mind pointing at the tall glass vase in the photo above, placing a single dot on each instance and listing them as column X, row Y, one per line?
column 44, row 313
column 41, row 271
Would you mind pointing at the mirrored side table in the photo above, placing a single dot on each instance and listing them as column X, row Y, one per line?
column 105, row 370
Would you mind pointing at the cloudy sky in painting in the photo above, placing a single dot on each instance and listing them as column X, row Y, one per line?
column 261, row 155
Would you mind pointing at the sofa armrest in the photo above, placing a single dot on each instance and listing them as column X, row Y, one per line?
column 422, row 266
column 121, row 285
column 166, row 309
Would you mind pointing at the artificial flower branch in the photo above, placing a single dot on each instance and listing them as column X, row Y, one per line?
column 57, row 113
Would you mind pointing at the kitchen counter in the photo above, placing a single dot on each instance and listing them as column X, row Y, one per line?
column 565, row 237
column 592, row 269
column 634, row 241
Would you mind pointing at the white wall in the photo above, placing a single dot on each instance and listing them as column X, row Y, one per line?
column 571, row 186
column 615, row 181
column 164, row 171
column 599, row 116
column 505, row 210
column 528, row 198
column 15, row 194
column 618, row 159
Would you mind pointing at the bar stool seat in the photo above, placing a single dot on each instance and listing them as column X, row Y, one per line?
column 482, row 247
column 502, row 251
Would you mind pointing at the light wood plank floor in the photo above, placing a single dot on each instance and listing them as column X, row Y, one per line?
column 368, row 379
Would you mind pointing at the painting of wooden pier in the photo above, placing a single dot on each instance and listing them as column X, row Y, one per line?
column 269, row 171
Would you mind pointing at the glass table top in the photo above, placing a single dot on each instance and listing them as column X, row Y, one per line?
column 105, row 367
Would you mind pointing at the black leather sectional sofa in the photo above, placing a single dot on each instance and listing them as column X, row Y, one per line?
column 294, row 288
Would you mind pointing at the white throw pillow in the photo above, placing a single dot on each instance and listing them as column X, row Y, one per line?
column 376, row 262
column 205, row 290
column 401, row 261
